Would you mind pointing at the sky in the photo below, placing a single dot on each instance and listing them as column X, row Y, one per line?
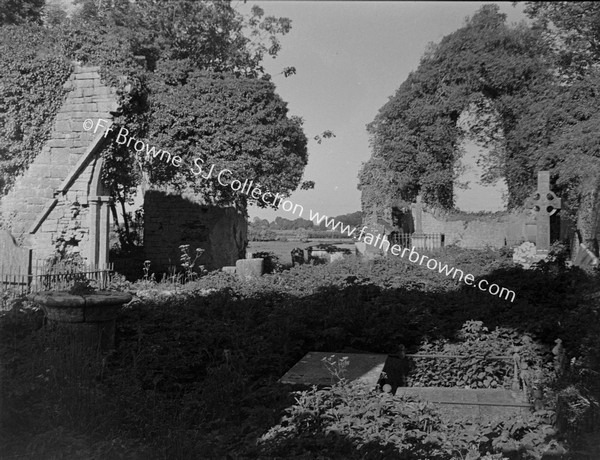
column 350, row 57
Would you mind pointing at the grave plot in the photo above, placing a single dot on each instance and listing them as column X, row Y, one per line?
column 389, row 373
column 312, row 369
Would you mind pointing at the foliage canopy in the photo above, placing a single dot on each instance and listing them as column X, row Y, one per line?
column 530, row 94
column 189, row 76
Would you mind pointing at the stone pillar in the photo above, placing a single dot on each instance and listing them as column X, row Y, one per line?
column 99, row 230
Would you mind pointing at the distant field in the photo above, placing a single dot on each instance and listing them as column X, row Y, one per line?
column 282, row 249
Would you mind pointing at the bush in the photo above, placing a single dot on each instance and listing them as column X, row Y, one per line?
column 380, row 425
column 271, row 262
column 477, row 370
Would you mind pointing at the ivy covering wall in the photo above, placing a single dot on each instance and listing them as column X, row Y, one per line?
column 33, row 70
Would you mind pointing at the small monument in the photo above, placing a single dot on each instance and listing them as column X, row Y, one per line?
column 545, row 203
column 419, row 239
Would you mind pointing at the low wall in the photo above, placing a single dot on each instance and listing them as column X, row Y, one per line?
column 471, row 230
column 495, row 230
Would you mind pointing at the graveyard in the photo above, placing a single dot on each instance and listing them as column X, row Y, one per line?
column 197, row 369
column 145, row 314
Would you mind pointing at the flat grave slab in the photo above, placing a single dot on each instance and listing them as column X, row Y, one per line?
column 473, row 403
column 310, row 370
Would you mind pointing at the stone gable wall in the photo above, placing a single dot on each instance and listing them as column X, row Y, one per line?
column 35, row 190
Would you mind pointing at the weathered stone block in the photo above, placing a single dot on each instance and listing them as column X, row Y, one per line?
column 250, row 268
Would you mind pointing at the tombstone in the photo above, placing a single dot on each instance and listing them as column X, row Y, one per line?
column 336, row 256
column 317, row 255
column 250, row 268
column 12, row 257
column 546, row 204
column 297, row 256
column 15, row 264
column 310, row 370
column 585, row 257
column 418, row 239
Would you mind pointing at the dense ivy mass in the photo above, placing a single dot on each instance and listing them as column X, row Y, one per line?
column 189, row 78
column 32, row 73
column 531, row 93
column 233, row 123
column 414, row 137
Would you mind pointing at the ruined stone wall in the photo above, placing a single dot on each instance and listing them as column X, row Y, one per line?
column 34, row 192
column 494, row 230
column 171, row 220
column 472, row 231
column 477, row 232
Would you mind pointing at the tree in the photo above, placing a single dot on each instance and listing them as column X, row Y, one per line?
column 21, row 11
column 414, row 137
column 220, row 121
column 162, row 57
column 572, row 31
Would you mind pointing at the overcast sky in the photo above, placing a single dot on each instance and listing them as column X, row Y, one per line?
column 350, row 58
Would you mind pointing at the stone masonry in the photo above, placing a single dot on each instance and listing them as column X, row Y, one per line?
column 471, row 231
column 171, row 220
column 59, row 202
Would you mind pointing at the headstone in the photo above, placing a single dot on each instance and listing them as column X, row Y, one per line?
column 418, row 214
column 13, row 257
column 310, row 370
column 297, row 256
column 545, row 203
column 418, row 239
column 250, row 268
column 229, row 269
column 316, row 255
column 585, row 257
column 336, row 256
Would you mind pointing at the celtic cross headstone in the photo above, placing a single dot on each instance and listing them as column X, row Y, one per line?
column 545, row 203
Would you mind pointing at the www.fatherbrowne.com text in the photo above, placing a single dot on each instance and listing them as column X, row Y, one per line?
column 252, row 189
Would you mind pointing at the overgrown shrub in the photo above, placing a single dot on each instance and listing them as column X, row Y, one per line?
column 195, row 369
column 478, row 346
column 380, row 425
column 271, row 262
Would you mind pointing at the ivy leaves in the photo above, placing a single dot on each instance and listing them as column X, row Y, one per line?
column 415, row 135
